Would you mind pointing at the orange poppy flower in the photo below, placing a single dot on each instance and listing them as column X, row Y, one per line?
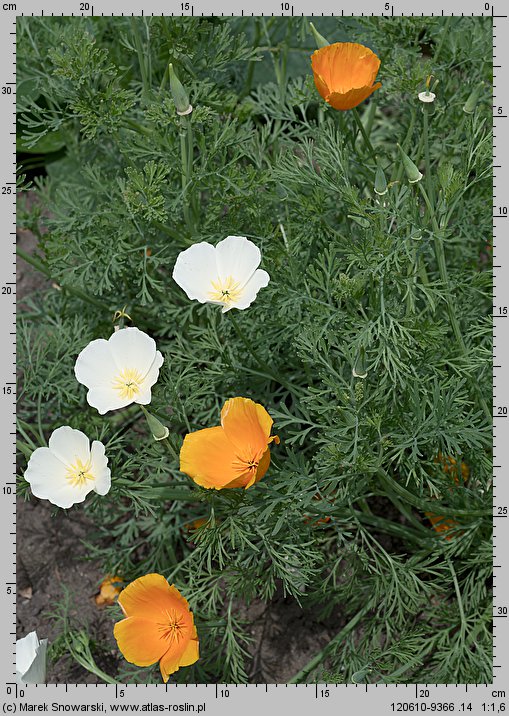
column 440, row 523
column 159, row 626
column 234, row 454
column 108, row 591
column 344, row 73
column 449, row 465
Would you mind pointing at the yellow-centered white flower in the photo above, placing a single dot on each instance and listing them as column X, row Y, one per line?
column 226, row 274
column 119, row 371
column 31, row 659
column 68, row 469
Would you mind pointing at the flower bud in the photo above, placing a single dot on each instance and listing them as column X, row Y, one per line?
column 360, row 369
column 319, row 39
column 158, row 430
column 471, row 103
column 411, row 171
column 359, row 220
column 380, row 180
column 427, row 96
column 361, row 676
column 180, row 96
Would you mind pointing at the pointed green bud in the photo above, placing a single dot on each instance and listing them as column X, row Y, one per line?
column 380, row 180
column 180, row 96
column 471, row 103
column 158, row 430
column 319, row 39
column 411, row 171
column 360, row 369
column 359, row 220
column 360, row 677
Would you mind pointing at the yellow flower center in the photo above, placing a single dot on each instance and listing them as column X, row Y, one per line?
column 174, row 626
column 78, row 473
column 128, row 383
column 227, row 291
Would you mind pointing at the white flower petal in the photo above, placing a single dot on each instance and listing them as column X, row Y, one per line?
column 96, row 364
column 60, row 492
column 36, row 674
column 31, row 659
column 64, row 473
column 44, row 468
column 195, row 269
column 68, row 444
column 259, row 280
column 100, row 468
column 114, row 370
column 104, row 399
column 131, row 348
column 238, row 258
column 26, row 651
column 151, row 377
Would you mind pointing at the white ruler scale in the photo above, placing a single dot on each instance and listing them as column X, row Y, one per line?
column 253, row 698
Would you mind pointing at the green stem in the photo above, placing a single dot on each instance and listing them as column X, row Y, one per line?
column 141, row 56
column 317, row 660
column 442, row 269
column 190, row 162
column 460, row 600
column 176, row 235
column 444, row 277
column 435, row 507
column 169, row 447
column 367, row 141
column 136, row 126
column 444, row 35
column 251, row 68
column 186, row 168
column 39, row 265
column 429, row 182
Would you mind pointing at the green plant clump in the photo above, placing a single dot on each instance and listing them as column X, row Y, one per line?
column 370, row 347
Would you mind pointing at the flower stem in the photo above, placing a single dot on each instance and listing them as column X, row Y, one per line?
column 367, row 141
column 142, row 55
column 186, row 152
column 460, row 600
column 438, row 244
column 422, row 504
column 318, row 658
column 429, row 182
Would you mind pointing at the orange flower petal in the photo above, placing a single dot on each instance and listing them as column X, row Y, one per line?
column 441, row 524
column 350, row 99
column 263, row 465
column 207, row 456
column 108, row 592
column 245, row 479
column 141, row 641
column 147, row 597
column 321, row 86
column 345, row 65
column 344, row 73
column 247, row 425
column 191, row 653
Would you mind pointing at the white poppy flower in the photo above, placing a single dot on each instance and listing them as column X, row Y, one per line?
column 226, row 274
column 68, row 469
column 119, row 371
column 31, row 659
